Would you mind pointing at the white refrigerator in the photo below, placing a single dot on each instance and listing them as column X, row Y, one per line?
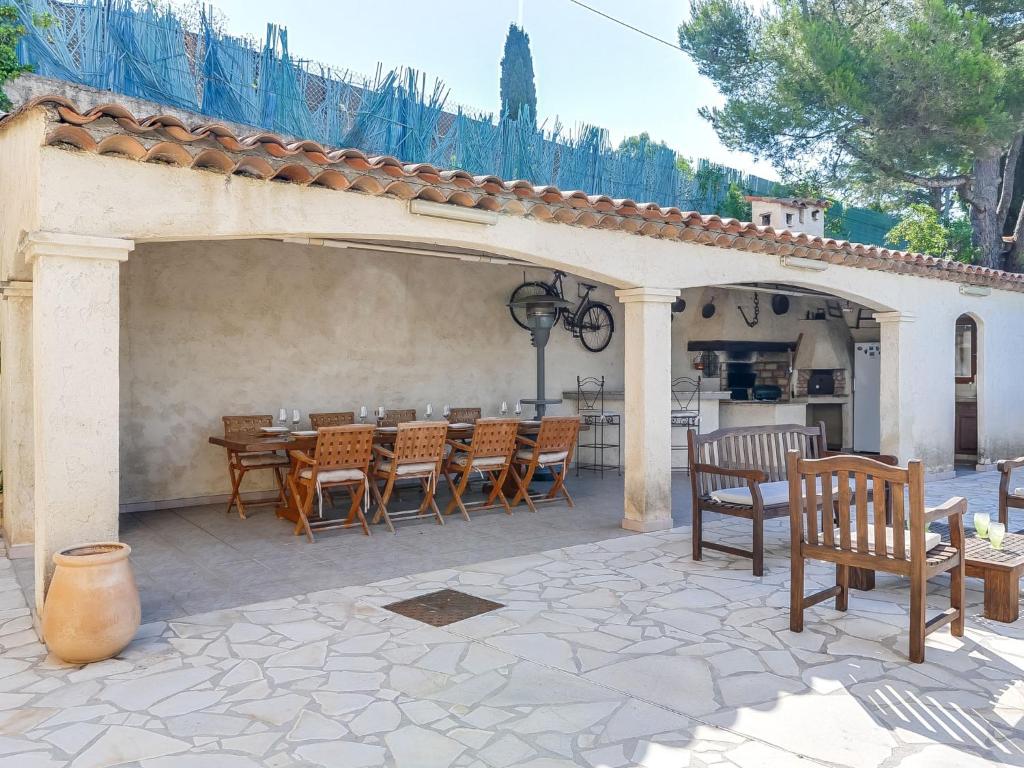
column 867, row 384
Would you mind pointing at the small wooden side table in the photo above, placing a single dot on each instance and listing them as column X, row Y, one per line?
column 1001, row 570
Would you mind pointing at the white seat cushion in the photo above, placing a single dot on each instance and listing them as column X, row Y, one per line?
column 422, row 468
column 554, row 457
column 931, row 540
column 262, row 460
column 677, row 413
column 333, row 475
column 485, row 462
column 772, row 494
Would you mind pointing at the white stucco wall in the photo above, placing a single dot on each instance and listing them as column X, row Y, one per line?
column 216, row 328
column 1000, row 375
column 20, row 183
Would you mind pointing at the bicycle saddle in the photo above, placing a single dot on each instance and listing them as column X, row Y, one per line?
column 588, row 286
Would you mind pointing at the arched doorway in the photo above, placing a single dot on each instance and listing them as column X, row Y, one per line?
column 966, row 378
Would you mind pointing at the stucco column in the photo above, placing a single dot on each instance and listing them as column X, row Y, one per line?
column 16, row 427
column 648, row 407
column 75, row 319
column 918, row 390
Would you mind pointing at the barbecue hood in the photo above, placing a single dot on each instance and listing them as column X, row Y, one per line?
column 823, row 344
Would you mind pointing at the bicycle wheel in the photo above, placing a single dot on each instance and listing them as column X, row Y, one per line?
column 532, row 288
column 596, row 327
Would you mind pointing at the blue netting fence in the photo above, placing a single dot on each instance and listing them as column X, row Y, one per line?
column 184, row 59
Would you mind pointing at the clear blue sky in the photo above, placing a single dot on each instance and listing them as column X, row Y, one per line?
column 588, row 69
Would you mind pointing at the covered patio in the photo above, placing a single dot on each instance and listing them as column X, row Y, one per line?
column 251, row 274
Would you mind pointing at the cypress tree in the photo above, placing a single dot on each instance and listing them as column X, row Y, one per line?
column 517, row 87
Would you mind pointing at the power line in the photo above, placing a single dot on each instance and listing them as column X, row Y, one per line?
column 622, row 23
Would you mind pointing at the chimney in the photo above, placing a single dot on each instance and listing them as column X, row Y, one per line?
column 792, row 213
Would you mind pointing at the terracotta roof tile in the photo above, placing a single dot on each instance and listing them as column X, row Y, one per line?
column 111, row 129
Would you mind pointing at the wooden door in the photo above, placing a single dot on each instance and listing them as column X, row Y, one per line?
column 967, row 428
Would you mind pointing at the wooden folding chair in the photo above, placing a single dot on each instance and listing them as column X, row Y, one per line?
column 336, row 419
column 341, row 460
column 843, row 534
column 463, row 415
column 417, row 455
column 489, row 454
column 240, row 463
column 339, row 419
column 396, row 417
column 552, row 449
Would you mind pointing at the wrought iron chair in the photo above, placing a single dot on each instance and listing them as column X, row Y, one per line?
column 341, row 460
column 417, row 455
column 686, row 391
column 489, row 454
column 240, row 463
column 843, row 534
column 338, row 419
column 597, row 422
column 552, row 449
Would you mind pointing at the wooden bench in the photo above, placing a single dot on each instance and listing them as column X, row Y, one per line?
column 741, row 471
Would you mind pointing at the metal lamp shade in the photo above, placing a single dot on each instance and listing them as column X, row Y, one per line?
column 541, row 316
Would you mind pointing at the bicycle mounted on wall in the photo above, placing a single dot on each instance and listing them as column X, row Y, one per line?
column 589, row 321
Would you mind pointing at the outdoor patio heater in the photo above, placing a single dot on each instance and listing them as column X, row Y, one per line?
column 541, row 316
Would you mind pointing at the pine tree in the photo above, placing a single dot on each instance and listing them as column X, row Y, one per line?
column 517, row 87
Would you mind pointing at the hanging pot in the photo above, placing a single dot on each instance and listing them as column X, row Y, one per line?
column 708, row 310
column 678, row 305
column 780, row 304
column 92, row 608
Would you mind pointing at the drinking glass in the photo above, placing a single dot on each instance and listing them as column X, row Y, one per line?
column 295, row 417
column 430, row 410
column 996, row 532
column 446, row 411
column 504, row 408
column 981, row 524
column 362, row 414
column 282, row 416
column 519, row 407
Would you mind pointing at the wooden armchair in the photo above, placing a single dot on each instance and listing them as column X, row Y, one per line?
column 463, row 415
column 850, row 539
column 551, row 450
column 489, row 453
column 341, row 460
column 394, row 418
column 339, row 419
column 240, row 463
column 1009, row 497
column 417, row 454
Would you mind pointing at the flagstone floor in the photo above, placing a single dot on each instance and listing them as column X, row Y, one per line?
column 622, row 652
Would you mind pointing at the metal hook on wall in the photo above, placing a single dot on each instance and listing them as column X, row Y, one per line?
column 751, row 322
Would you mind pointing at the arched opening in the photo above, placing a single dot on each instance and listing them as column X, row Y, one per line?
column 966, row 373
column 781, row 353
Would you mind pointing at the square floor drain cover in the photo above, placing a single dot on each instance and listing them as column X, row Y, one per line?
column 444, row 607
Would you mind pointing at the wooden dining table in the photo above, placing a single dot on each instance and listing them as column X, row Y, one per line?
column 256, row 442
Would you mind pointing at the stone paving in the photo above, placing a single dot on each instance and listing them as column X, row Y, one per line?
column 617, row 653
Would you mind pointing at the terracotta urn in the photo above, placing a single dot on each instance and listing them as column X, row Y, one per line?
column 92, row 608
